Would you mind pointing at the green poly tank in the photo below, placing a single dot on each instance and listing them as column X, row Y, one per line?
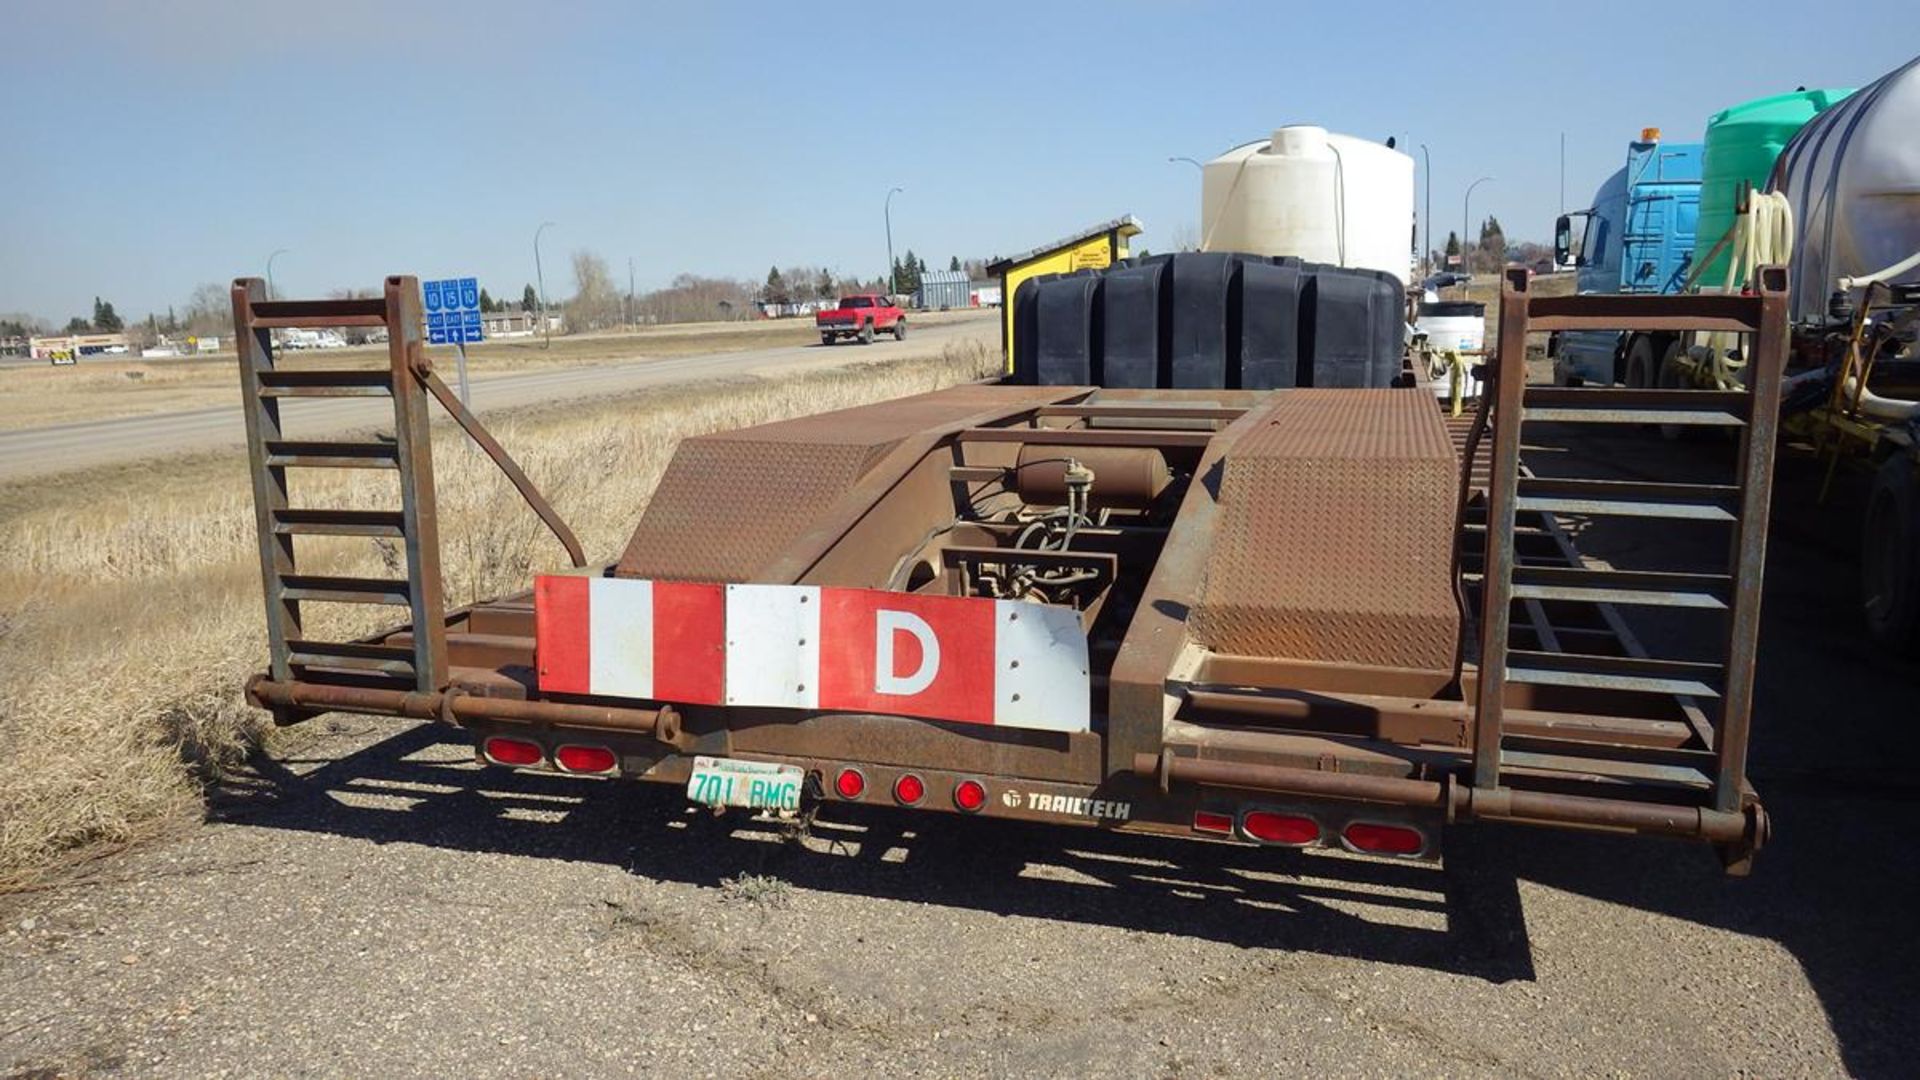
column 1742, row 143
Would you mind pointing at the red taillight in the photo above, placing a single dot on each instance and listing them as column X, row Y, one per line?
column 969, row 795
column 1385, row 839
column 1209, row 822
column 504, row 751
column 585, row 759
column 1271, row 828
column 850, row 784
column 908, row 789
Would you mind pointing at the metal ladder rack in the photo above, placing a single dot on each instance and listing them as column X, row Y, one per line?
column 422, row 666
column 1725, row 685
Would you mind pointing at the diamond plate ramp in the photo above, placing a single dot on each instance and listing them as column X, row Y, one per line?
column 1335, row 535
column 731, row 503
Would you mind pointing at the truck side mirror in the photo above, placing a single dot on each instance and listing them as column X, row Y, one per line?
column 1562, row 240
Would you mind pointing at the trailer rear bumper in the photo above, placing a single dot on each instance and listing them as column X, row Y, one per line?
column 1166, row 793
column 1746, row 828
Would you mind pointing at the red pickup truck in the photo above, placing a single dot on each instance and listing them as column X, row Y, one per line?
column 861, row 316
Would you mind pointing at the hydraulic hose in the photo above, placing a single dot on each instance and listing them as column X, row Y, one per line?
column 1761, row 235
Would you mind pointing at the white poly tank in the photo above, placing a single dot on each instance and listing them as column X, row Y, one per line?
column 1853, row 178
column 1315, row 195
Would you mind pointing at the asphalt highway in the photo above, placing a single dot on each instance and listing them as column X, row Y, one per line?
column 86, row 444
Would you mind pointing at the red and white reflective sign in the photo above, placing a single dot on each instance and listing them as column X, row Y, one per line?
column 999, row 662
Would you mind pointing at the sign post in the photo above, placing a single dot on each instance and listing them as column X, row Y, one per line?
column 453, row 318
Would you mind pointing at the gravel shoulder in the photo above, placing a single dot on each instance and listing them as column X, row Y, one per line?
column 368, row 901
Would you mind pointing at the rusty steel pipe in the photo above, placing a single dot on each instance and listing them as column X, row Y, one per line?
column 663, row 723
column 1169, row 770
column 486, row 442
column 1460, row 800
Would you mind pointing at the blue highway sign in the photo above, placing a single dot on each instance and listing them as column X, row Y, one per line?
column 453, row 311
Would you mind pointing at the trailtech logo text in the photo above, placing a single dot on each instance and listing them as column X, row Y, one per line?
column 1072, row 806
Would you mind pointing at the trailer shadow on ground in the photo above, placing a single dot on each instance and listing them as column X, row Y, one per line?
column 1833, row 889
column 422, row 786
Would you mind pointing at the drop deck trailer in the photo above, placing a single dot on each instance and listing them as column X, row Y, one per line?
column 1298, row 617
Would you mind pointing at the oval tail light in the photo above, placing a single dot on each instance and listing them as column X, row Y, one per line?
column 502, row 750
column 1269, row 827
column 585, row 759
column 1379, row 839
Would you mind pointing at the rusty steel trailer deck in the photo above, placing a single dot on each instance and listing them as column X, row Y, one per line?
column 1296, row 617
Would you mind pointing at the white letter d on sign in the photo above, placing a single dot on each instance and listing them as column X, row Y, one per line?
column 886, row 624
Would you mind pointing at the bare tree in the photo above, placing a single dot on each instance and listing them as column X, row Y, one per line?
column 354, row 335
column 596, row 302
column 696, row 299
column 1185, row 237
column 209, row 311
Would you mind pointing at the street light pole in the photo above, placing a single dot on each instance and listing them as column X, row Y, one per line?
column 1189, row 161
column 630, row 311
column 539, row 275
column 1426, row 217
column 277, row 253
column 893, row 271
column 1466, row 215
column 1563, row 172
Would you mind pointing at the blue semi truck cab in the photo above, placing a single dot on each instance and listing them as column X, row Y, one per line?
column 1637, row 237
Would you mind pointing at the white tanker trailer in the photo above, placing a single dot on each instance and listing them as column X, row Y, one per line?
column 1850, row 180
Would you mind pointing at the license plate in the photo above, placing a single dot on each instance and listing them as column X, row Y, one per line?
column 756, row 785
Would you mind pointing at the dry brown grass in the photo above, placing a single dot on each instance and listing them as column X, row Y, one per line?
column 129, row 598
column 100, row 388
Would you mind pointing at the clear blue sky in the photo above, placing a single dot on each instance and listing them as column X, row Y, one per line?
column 151, row 147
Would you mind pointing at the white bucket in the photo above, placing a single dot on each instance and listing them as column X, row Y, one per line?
column 1454, row 325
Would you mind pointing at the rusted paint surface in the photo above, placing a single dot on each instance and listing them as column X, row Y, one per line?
column 731, row 504
column 1336, row 530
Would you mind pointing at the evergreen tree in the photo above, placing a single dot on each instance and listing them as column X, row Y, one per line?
column 776, row 285
column 1453, row 243
column 529, row 299
column 1493, row 244
column 823, row 286
column 486, row 301
column 78, row 325
column 953, row 263
column 104, row 318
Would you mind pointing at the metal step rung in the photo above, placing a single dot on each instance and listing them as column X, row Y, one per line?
column 1622, row 405
column 1569, row 487
column 345, row 590
column 1642, row 588
column 1681, row 757
column 332, row 455
column 1634, row 597
column 1719, row 585
column 1685, row 417
column 388, row 659
column 319, row 314
column 1637, row 508
column 326, row 383
column 339, row 522
column 1629, row 673
column 1603, row 772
